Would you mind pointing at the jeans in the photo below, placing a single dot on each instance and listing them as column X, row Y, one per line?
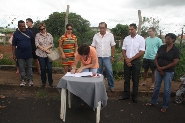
column 27, row 71
column 133, row 71
column 45, row 66
column 108, row 69
column 168, row 76
column 93, row 70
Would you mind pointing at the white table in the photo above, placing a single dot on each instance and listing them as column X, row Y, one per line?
column 90, row 89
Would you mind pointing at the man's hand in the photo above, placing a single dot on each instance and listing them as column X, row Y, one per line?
column 14, row 57
column 160, row 69
column 161, row 73
column 128, row 60
column 129, row 64
column 112, row 59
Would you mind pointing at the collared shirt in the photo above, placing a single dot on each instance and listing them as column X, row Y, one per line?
column 152, row 45
column 165, row 58
column 24, row 44
column 133, row 45
column 43, row 41
column 103, row 44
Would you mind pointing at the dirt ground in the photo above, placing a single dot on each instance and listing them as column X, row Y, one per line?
column 9, row 83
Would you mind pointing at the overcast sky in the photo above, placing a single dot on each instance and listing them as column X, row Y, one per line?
column 170, row 12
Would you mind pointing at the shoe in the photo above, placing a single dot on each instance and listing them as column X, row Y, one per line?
column 163, row 110
column 151, row 88
column 43, row 85
column 134, row 100
column 2, row 96
column 142, row 84
column 149, row 104
column 17, row 72
column 51, row 85
column 23, row 83
column 112, row 90
column 124, row 98
column 30, row 83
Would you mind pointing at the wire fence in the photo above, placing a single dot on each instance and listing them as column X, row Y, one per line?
column 9, row 23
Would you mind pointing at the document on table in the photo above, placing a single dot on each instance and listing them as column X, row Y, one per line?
column 83, row 74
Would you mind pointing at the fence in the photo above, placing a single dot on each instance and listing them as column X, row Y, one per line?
column 84, row 29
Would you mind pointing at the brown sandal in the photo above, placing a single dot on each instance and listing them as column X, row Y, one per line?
column 163, row 110
column 2, row 97
column 149, row 104
column 2, row 107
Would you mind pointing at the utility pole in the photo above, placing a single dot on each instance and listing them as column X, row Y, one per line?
column 66, row 18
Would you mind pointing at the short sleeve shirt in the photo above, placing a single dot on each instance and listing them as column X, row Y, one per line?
column 23, row 44
column 103, row 44
column 152, row 45
column 92, row 56
column 133, row 45
column 165, row 58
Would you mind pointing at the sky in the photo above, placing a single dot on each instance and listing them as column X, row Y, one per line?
column 171, row 13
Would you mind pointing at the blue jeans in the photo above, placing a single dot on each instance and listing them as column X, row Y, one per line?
column 93, row 70
column 108, row 69
column 45, row 66
column 168, row 76
column 28, row 71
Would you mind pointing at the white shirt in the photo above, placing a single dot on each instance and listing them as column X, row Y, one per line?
column 133, row 45
column 103, row 44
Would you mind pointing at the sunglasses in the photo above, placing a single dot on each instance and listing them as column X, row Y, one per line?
column 69, row 29
column 42, row 29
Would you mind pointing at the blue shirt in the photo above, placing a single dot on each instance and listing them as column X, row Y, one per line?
column 152, row 45
column 23, row 43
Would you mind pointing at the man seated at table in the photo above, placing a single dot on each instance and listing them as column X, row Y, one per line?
column 89, row 60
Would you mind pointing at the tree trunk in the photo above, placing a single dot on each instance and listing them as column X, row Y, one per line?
column 140, row 22
column 66, row 18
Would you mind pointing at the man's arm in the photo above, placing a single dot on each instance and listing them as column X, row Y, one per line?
column 13, row 52
column 112, row 53
column 138, row 55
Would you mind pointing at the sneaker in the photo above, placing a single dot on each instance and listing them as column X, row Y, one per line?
column 22, row 83
column 30, row 83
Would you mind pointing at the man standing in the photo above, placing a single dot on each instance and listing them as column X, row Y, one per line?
column 29, row 23
column 23, row 39
column 133, row 48
column 152, row 45
column 105, row 47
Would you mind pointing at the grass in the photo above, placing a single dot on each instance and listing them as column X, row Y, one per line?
column 42, row 94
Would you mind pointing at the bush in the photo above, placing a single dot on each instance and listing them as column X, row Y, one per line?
column 6, row 61
column 180, row 67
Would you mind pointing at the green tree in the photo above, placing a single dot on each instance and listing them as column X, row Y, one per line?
column 81, row 27
column 149, row 22
column 120, row 31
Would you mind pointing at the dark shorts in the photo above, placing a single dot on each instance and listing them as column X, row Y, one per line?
column 148, row 63
column 34, row 54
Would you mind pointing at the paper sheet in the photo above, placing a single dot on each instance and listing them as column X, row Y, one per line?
column 83, row 74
